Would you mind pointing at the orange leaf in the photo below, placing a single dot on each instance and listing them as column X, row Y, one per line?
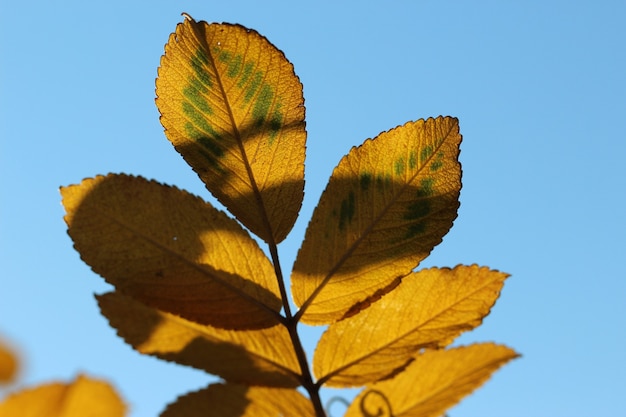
column 172, row 251
column 436, row 381
column 8, row 364
column 428, row 309
column 232, row 106
column 231, row 400
column 388, row 203
column 84, row 397
column 258, row 357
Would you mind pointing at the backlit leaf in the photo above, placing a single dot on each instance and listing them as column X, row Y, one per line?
column 230, row 400
column 428, row 309
column 8, row 364
column 388, row 203
column 172, row 251
column 84, row 397
column 232, row 106
column 434, row 382
column 258, row 357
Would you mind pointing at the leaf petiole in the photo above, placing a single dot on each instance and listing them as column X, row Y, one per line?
column 291, row 322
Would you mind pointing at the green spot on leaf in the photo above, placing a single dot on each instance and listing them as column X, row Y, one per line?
column 415, row 229
column 438, row 163
column 234, row 67
column 420, row 208
column 262, row 105
column 412, row 160
column 245, row 75
column 223, row 56
column 365, row 181
column 197, row 119
column 194, row 95
column 197, row 85
column 210, row 150
column 198, row 62
column 383, row 181
column 347, row 211
column 399, row 166
column 252, row 86
column 426, row 187
column 417, row 210
column 426, row 153
column 276, row 123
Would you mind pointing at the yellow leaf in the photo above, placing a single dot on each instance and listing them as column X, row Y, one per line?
column 172, row 251
column 428, row 309
column 232, row 105
column 388, row 203
column 232, row 400
column 436, row 381
column 8, row 364
column 84, row 397
column 258, row 357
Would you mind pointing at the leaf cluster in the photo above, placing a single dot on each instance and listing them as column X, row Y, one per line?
column 84, row 396
column 194, row 287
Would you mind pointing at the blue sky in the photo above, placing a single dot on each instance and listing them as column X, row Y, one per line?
column 540, row 91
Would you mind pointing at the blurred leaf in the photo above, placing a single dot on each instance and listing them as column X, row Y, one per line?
column 258, row 357
column 172, row 251
column 232, row 106
column 84, row 397
column 8, row 364
column 232, row 400
column 428, row 309
column 436, row 381
column 388, row 203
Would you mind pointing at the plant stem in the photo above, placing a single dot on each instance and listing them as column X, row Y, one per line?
column 307, row 378
column 292, row 327
column 281, row 281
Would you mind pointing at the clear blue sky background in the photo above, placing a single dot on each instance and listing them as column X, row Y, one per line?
column 540, row 91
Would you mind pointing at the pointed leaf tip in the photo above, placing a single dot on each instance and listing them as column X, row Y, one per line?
column 388, row 203
column 233, row 107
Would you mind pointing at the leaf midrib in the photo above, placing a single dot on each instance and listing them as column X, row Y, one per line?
column 197, row 327
column 413, row 330
column 194, row 265
column 367, row 231
column 237, row 135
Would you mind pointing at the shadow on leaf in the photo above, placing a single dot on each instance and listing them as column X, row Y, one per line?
column 217, row 400
column 231, row 400
column 172, row 251
column 216, row 351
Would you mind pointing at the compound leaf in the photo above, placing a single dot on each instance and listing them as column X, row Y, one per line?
column 232, row 105
column 230, row 400
column 428, row 309
column 84, row 397
column 387, row 204
column 172, row 251
column 434, row 382
column 258, row 357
